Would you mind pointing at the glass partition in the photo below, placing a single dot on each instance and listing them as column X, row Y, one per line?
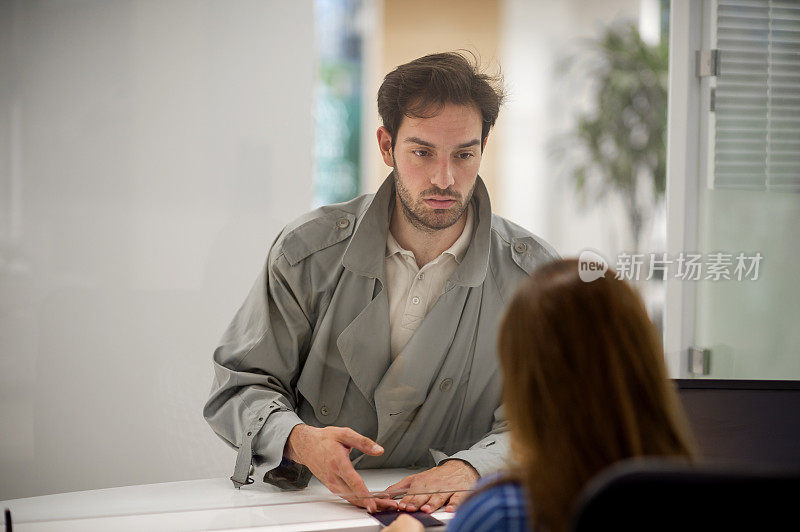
column 748, row 208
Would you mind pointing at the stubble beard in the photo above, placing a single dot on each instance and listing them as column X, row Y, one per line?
column 420, row 215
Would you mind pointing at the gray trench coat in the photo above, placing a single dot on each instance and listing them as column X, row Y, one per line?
column 311, row 342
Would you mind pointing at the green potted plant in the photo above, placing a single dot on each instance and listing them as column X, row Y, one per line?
column 619, row 145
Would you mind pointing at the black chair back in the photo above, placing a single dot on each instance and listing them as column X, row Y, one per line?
column 660, row 495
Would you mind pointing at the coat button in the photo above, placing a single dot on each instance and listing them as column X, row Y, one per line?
column 415, row 300
column 446, row 385
column 342, row 223
column 324, row 410
column 520, row 247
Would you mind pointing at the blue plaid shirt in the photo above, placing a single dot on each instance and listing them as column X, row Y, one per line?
column 501, row 507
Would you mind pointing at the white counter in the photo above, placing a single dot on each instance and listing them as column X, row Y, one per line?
column 212, row 504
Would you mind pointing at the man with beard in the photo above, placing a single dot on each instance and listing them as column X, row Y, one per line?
column 368, row 341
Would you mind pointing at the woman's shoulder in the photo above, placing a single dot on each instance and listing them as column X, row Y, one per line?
column 497, row 504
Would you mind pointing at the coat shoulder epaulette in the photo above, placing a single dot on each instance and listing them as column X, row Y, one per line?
column 526, row 249
column 320, row 229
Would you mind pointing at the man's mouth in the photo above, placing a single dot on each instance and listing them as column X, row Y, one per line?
column 440, row 203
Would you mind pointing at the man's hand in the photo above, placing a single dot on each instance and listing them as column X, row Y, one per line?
column 451, row 480
column 326, row 452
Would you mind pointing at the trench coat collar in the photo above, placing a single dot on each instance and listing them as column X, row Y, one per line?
column 365, row 252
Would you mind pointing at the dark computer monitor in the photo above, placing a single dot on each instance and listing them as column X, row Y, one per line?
column 744, row 422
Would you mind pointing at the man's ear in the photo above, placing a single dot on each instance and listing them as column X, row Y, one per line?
column 385, row 145
column 483, row 144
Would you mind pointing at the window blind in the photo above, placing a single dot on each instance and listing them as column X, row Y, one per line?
column 757, row 95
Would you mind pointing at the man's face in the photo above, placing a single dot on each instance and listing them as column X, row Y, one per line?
column 436, row 163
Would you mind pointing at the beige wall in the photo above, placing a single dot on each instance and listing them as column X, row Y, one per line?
column 413, row 28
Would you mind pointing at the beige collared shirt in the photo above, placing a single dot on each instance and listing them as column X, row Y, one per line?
column 413, row 291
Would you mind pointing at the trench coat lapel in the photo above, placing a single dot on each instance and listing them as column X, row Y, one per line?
column 405, row 385
column 365, row 343
column 365, row 347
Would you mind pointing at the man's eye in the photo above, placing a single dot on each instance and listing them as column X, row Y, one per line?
column 465, row 155
column 420, row 153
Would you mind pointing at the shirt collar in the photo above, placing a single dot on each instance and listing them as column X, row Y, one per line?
column 367, row 247
column 460, row 246
column 393, row 247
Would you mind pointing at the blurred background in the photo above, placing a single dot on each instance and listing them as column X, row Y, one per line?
column 150, row 152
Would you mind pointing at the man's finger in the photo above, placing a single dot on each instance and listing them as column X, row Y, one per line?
column 357, row 486
column 386, row 504
column 340, row 488
column 436, row 501
column 336, row 481
column 414, row 502
column 354, row 499
column 455, row 500
column 389, row 494
column 400, row 487
column 353, row 439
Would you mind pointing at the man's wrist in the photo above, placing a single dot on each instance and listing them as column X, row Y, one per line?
column 460, row 463
column 293, row 442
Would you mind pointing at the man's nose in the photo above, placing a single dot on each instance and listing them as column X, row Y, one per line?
column 443, row 176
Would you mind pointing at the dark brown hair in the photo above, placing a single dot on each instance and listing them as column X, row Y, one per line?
column 421, row 88
column 585, row 385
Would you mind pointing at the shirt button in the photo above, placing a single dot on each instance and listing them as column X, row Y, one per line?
column 446, row 385
column 421, row 276
column 520, row 247
column 342, row 223
column 415, row 300
column 324, row 410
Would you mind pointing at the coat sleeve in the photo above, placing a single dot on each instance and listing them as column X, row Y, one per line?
column 253, row 397
column 489, row 454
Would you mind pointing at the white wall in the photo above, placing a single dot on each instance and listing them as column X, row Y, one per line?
column 149, row 153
